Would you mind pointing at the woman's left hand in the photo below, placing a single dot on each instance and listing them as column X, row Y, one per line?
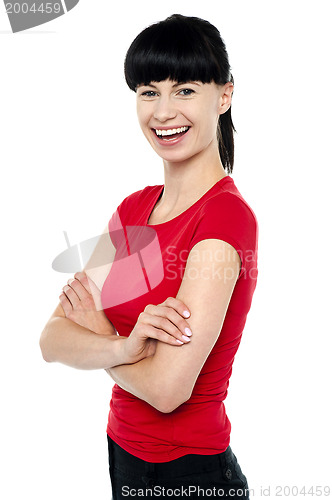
column 81, row 303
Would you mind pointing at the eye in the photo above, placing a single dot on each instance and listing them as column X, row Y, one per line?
column 149, row 93
column 186, row 92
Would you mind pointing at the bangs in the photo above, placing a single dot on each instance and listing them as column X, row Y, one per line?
column 175, row 49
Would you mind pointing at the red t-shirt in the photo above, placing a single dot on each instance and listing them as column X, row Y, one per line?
column 148, row 268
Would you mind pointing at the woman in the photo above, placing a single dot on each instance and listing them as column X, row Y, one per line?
column 174, row 299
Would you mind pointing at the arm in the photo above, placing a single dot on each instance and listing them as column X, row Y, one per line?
column 166, row 379
column 69, row 343
column 72, row 340
column 80, row 335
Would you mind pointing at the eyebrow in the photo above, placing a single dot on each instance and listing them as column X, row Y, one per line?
column 175, row 85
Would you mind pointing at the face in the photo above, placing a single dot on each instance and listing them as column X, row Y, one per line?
column 180, row 120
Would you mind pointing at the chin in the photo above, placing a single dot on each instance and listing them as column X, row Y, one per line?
column 174, row 158
column 177, row 156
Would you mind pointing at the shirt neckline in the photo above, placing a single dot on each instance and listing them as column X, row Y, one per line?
column 159, row 192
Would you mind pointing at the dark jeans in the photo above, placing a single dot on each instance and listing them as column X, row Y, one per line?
column 191, row 476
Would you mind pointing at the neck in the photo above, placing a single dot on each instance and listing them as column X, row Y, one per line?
column 187, row 181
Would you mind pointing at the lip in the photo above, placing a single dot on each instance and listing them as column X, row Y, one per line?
column 173, row 142
column 169, row 127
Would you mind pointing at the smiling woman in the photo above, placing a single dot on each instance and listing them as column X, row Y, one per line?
column 186, row 115
column 173, row 304
column 184, row 50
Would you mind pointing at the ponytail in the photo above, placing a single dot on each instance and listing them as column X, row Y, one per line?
column 225, row 135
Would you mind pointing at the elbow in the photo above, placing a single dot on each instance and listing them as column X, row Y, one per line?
column 45, row 350
column 45, row 355
column 168, row 403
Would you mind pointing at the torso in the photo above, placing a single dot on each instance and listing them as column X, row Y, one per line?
column 158, row 219
column 148, row 270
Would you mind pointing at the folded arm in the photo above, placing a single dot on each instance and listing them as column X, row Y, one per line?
column 80, row 335
column 67, row 342
column 166, row 379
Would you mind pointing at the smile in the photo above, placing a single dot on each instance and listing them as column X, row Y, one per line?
column 170, row 134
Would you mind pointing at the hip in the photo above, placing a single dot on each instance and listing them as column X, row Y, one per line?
column 193, row 428
column 191, row 475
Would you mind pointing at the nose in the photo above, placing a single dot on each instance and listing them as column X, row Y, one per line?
column 164, row 109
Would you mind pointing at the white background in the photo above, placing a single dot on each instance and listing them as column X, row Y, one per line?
column 71, row 150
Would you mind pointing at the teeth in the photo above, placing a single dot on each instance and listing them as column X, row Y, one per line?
column 171, row 131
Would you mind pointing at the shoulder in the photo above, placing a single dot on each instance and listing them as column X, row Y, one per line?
column 227, row 201
column 226, row 208
column 140, row 198
column 227, row 216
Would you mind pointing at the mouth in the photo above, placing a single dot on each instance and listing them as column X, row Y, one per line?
column 169, row 135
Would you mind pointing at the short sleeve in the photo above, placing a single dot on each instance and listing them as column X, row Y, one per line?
column 229, row 218
column 118, row 217
column 116, row 226
column 121, row 218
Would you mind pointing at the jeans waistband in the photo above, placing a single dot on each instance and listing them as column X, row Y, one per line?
column 187, row 464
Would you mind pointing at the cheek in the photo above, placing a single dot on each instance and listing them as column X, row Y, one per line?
column 208, row 127
column 211, row 123
column 141, row 115
column 144, row 114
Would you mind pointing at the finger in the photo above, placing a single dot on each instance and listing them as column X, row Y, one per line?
column 66, row 305
column 91, row 287
column 83, row 279
column 172, row 315
column 162, row 323
column 78, row 288
column 71, row 295
column 86, row 281
column 178, row 305
column 79, row 297
column 162, row 336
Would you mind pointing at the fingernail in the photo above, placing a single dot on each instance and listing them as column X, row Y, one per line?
column 185, row 338
column 188, row 331
column 179, row 341
column 186, row 314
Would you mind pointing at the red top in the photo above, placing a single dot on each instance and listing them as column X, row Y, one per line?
column 149, row 266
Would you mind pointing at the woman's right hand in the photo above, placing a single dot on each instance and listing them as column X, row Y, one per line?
column 164, row 322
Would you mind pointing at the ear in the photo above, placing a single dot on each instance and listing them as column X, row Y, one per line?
column 226, row 97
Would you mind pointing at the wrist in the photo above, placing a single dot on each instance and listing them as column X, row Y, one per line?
column 118, row 351
column 106, row 328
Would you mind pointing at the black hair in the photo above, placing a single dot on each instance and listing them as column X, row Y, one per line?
column 184, row 49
